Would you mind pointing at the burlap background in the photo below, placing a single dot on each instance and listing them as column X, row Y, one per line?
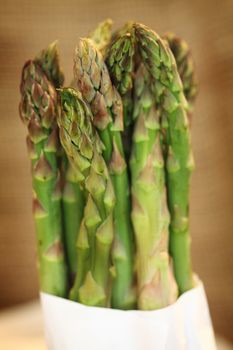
column 27, row 26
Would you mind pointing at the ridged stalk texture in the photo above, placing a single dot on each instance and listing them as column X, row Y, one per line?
column 84, row 151
column 156, row 284
column 38, row 112
column 94, row 82
column 168, row 89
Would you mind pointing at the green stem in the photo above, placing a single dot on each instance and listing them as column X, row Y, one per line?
column 169, row 93
column 85, row 153
column 179, row 167
column 106, row 138
column 94, row 82
column 47, row 214
column 83, row 261
column 156, row 286
column 38, row 111
column 123, row 296
column 72, row 201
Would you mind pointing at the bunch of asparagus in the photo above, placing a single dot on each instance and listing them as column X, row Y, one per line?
column 111, row 161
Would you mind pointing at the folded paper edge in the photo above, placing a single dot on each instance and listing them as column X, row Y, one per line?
column 46, row 298
column 193, row 332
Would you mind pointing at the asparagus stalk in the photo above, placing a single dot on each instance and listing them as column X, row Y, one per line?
column 101, row 36
column 48, row 60
column 38, row 113
column 185, row 66
column 72, row 196
column 84, row 150
column 166, row 83
column 94, row 82
column 156, row 285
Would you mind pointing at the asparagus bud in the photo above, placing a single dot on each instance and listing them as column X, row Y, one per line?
column 121, row 65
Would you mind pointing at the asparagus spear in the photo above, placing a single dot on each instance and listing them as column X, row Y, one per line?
column 185, row 65
column 166, row 83
column 48, row 60
column 94, row 83
column 72, row 196
column 84, row 150
column 149, row 220
column 38, row 112
column 156, row 285
column 101, row 36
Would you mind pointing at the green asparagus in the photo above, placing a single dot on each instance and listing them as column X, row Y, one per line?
column 94, row 82
column 101, row 36
column 48, row 60
column 121, row 65
column 84, row 150
column 111, row 164
column 156, row 285
column 72, row 196
column 185, row 66
column 38, row 112
column 166, row 83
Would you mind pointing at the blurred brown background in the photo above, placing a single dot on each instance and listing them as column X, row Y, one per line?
column 28, row 26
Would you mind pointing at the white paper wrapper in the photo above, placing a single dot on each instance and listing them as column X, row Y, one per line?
column 185, row 325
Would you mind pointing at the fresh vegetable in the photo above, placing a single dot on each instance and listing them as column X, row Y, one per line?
column 111, row 191
column 38, row 109
column 94, row 83
column 84, row 150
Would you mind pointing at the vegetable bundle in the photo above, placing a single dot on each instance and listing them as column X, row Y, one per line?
column 111, row 161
